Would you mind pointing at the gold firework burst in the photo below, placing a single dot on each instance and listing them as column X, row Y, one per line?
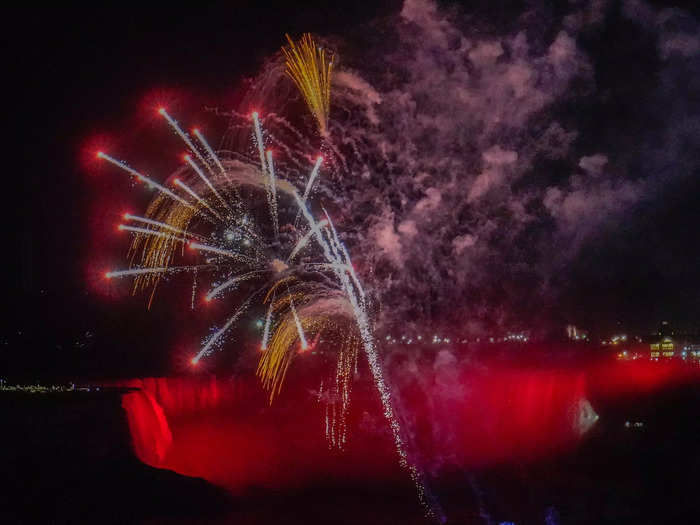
column 310, row 68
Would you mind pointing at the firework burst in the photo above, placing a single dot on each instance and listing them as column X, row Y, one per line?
column 280, row 268
column 285, row 261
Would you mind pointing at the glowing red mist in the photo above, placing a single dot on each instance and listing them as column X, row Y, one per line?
column 224, row 431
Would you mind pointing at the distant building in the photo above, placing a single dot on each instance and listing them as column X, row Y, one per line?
column 663, row 346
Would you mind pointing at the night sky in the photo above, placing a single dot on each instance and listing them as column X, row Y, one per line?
column 78, row 77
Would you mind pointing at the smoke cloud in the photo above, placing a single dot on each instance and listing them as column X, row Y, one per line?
column 475, row 175
column 506, row 170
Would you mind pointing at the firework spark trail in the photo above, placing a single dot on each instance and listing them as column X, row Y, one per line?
column 361, row 318
column 206, row 349
column 300, row 330
column 129, row 217
column 214, row 157
column 134, row 271
column 300, row 152
column 199, row 172
column 292, row 156
column 259, row 141
column 143, row 271
column 142, row 178
column 346, row 255
column 153, row 233
column 312, row 178
column 231, row 282
column 341, row 253
column 303, row 241
column 336, row 254
column 266, row 331
column 271, row 173
column 173, row 124
column 326, row 266
column 194, row 289
column 314, row 227
column 309, row 184
column 221, row 251
column 328, row 434
column 194, row 195
column 266, row 170
column 377, row 374
column 298, row 135
column 272, row 194
column 432, row 509
column 351, row 268
column 337, row 154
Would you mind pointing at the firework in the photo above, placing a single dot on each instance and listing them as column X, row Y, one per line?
column 310, row 184
column 214, row 216
column 204, row 214
column 310, row 69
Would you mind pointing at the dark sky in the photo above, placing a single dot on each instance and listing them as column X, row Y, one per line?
column 71, row 75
